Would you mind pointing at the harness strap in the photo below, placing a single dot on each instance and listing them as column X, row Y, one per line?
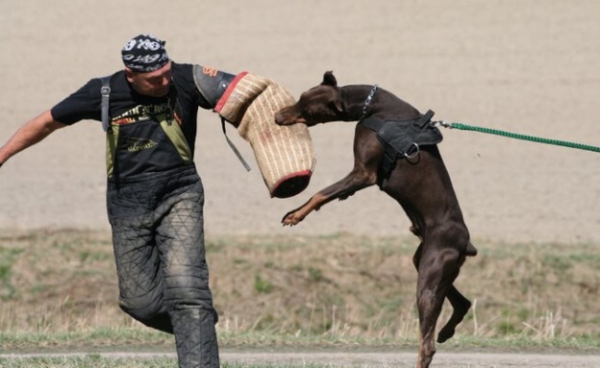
column 105, row 108
column 372, row 123
column 105, row 91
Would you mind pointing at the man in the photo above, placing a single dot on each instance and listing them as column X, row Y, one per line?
column 154, row 194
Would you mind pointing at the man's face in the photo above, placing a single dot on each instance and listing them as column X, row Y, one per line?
column 154, row 84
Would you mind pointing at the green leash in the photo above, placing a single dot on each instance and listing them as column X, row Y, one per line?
column 555, row 142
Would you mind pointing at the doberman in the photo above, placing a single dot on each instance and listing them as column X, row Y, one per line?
column 416, row 178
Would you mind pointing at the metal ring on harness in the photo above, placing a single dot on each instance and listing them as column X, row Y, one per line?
column 415, row 154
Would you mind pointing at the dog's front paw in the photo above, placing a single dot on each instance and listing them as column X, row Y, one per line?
column 291, row 219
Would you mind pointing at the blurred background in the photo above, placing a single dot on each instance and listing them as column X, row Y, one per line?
column 524, row 66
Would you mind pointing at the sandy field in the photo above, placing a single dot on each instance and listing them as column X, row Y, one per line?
column 530, row 67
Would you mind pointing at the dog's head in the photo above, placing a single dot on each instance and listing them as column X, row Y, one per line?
column 319, row 104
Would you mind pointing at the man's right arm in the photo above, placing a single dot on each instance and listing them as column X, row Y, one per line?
column 29, row 134
column 211, row 83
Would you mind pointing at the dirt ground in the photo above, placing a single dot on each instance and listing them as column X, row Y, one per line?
column 523, row 66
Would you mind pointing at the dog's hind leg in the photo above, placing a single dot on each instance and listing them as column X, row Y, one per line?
column 460, row 304
column 439, row 262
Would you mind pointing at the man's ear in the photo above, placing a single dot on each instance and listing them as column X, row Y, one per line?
column 129, row 74
column 329, row 79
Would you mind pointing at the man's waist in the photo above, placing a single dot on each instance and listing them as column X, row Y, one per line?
column 180, row 171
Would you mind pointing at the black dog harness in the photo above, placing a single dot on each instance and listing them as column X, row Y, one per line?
column 402, row 138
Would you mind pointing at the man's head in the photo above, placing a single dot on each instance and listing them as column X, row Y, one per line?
column 147, row 65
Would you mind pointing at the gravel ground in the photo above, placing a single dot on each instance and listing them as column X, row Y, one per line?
column 367, row 358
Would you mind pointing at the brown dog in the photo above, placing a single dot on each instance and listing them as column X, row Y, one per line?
column 416, row 177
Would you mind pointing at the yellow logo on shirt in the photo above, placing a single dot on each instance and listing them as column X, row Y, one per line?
column 138, row 144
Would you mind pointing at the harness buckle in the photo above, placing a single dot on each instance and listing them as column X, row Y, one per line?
column 415, row 154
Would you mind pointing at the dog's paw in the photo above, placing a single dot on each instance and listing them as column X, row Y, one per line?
column 289, row 222
column 291, row 219
column 286, row 222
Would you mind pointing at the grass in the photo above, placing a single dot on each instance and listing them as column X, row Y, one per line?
column 58, row 291
column 97, row 361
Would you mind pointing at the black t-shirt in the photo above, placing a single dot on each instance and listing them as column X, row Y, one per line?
column 148, row 134
column 85, row 104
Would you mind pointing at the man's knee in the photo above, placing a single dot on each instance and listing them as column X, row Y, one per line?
column 187, row 285
column 143, row 308
column 182, row 298
column 151, row 314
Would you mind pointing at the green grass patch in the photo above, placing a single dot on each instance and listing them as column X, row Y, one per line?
column 59, row 289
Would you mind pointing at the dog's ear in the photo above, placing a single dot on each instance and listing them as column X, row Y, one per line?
column 329, row 79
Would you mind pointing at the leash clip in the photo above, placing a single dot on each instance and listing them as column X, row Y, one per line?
column 441, row 123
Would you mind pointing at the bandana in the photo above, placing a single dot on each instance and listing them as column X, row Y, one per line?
column 144, row 53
